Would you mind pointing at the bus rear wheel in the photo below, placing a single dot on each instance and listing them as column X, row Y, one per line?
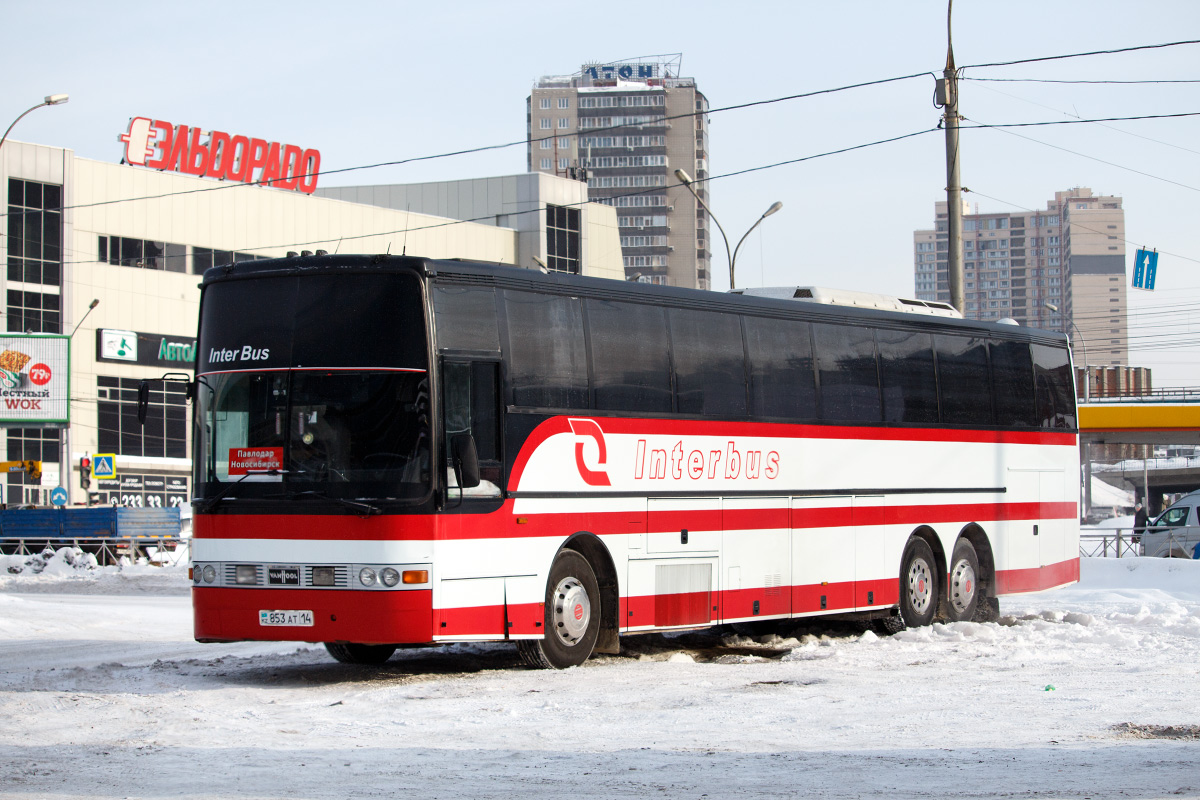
column 962, row 590
column 572, row 619
column 918, row 584
column 369, row 654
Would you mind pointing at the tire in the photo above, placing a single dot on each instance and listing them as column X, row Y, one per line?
column 918, row 584
column 572, row 620
column 962, row 588
column 367, row 654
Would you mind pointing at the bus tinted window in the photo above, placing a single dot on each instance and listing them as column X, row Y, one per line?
column 365, row 300
column 547, row 363
column 907, row 374
column 848, row 374
column 631, row 370
column 710, row 369
column 782, row 376
column 466, row 318
column 1055, row 388
column 1012, row 381
column 963, row 380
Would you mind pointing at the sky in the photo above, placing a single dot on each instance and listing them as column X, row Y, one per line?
column 374, row 82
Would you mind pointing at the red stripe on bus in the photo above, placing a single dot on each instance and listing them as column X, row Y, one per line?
column 504, row 524
column 1035, row 579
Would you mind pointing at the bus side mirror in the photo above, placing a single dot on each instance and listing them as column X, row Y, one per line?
column 466, row 460
column 143, row 401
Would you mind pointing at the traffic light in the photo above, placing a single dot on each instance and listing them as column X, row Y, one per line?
column 85, row 472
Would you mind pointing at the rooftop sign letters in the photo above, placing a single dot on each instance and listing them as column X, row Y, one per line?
column 627, row 72
column 158, row 144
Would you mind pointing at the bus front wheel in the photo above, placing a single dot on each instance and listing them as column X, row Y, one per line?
column 572, row 618
column 349, row 653
column 918, row 584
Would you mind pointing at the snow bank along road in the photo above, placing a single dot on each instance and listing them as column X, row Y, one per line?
column 1088, row 692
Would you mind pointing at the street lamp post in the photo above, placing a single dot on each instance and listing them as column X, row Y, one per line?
column 1084, row 447
column 730, row 254
column 64, row 441
column 1087, row 377
column 51, row 100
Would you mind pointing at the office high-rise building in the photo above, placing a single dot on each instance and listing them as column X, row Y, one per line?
column 1062, row 268
column 626, row 127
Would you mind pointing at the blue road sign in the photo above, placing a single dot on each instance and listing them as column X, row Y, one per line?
column 104, row 467
column 1145, row 269
column 58, row 496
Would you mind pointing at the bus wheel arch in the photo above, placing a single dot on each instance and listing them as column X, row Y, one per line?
column 594, row 550
column 574, row 607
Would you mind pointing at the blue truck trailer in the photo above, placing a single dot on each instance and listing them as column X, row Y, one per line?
column 107, row 531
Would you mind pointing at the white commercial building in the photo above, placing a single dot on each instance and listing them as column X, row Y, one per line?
column 136, row 238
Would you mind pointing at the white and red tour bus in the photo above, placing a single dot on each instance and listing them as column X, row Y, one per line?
column 396, row 451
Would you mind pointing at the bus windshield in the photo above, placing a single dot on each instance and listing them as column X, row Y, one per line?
column 347, row 433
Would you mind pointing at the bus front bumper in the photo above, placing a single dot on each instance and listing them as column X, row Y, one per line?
column 304, row 615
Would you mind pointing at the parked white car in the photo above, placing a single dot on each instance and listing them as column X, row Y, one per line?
column 1175, row 533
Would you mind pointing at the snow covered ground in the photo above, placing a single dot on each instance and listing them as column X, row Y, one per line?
column 1090, row 691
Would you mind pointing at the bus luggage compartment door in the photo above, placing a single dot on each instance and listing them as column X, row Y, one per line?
column 683, row 525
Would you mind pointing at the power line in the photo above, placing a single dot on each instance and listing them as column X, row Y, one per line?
column 735, row 107
column 1002, row 129
column 538, row 210
column 1049, row 80
column 1081, row 55
column 1102, row 125
column 504, row 145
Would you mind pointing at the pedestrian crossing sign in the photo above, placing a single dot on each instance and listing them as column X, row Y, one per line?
column 104, row 466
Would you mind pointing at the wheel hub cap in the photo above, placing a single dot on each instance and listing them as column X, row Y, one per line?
column 920, row 586
column 572, row 611
column 962, row 586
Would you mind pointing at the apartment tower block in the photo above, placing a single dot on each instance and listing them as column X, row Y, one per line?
column 625, row 127
column 1062, row 268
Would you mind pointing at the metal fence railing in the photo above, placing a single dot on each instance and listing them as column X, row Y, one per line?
column 163, row 550
column 1108, row 543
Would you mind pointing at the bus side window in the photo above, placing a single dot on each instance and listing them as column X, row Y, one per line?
column 471, row 399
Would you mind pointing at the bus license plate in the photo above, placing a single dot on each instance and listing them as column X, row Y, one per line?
column 303, row 619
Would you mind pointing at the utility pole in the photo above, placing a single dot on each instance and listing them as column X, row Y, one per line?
column 948, row 96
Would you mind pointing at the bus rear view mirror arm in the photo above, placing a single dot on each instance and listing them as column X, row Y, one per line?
column 143, row 397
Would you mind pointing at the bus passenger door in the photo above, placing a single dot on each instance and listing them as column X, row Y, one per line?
column 822, row 554
column 756, row 556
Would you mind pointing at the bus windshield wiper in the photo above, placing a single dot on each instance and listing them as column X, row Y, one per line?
column 365, row 508
column 211, row 502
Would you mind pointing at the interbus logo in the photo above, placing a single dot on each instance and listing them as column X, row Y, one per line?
column 587, row 429
column 697, row 463
column 158, row 144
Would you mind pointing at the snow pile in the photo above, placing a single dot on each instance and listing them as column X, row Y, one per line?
column 65, row 561
column 70, row 570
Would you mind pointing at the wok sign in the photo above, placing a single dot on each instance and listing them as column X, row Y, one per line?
column 34, row 379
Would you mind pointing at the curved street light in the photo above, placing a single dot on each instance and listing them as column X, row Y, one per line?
column 730, row 254
column 1087, row 377
column 51, row 100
